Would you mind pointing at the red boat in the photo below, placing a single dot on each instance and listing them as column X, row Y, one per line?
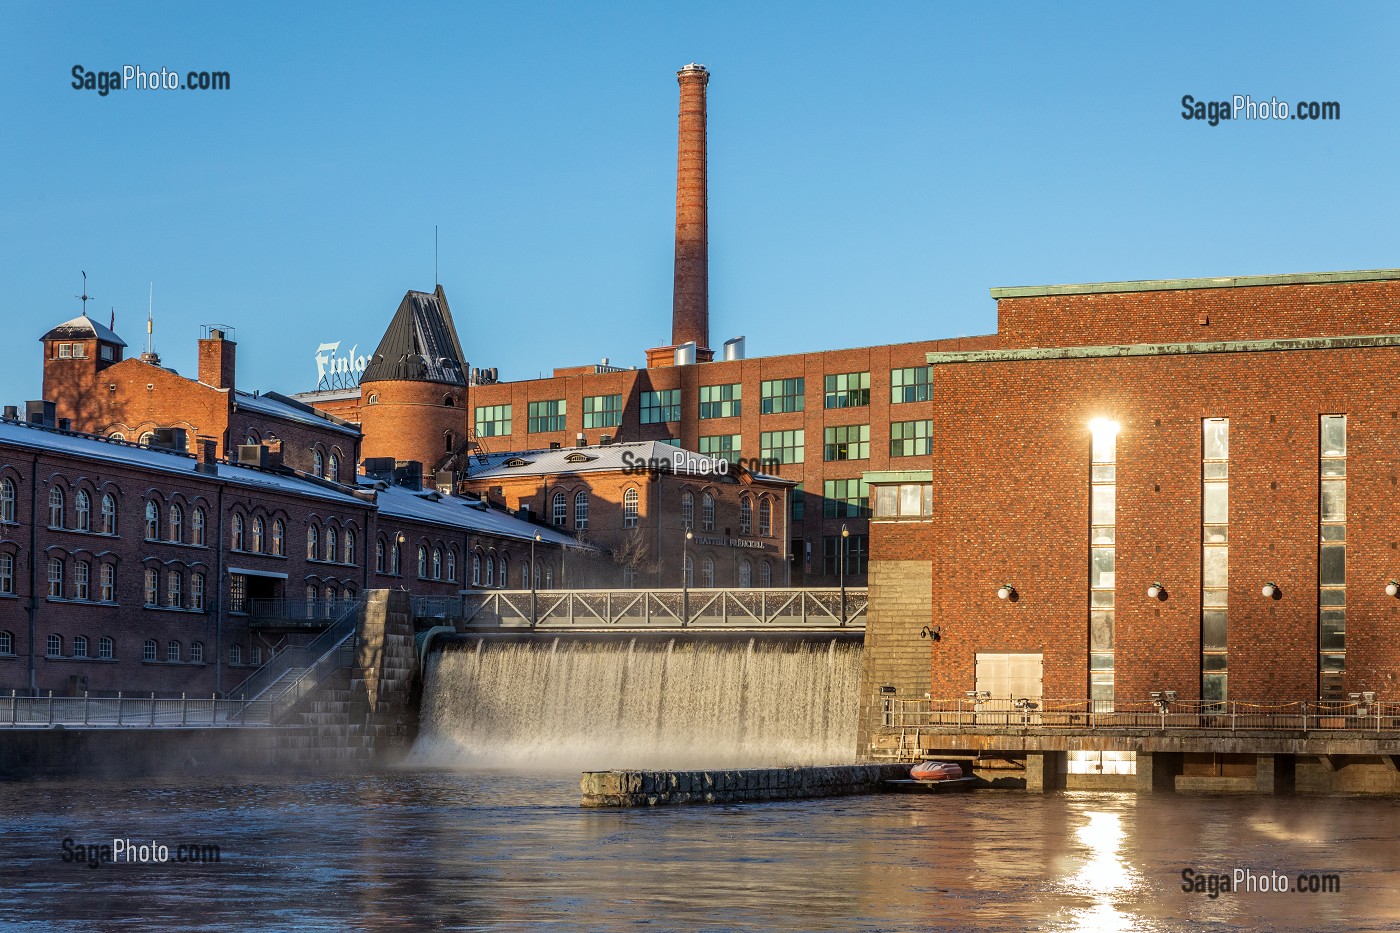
column 936, row 771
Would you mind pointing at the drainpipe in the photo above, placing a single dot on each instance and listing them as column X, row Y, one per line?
column 219, row 595
column 33, row 571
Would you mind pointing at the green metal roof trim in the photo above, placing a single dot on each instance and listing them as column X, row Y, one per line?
column 897, row 476
column 1170, row 285
column 1164, row 349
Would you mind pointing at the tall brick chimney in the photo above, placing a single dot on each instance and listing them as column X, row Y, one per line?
column 216, row 357
column 690, row 312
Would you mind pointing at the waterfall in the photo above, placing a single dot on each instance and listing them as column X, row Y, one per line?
column 587, row 704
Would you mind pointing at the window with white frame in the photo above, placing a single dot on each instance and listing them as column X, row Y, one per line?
column 630, row 501
column 55, row 508
column 82, row 511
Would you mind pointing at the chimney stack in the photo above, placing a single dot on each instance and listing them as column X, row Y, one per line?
column 216, row 358
column 690, row 310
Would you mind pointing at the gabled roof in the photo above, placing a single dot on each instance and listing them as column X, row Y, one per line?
column 276, row 405
column 83, row 327
column 462, row 513
column 420, row 344
column 630, row 456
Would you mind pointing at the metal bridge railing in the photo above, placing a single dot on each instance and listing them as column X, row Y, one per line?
column 972, row 714
column 148, row 712
column 792, row 608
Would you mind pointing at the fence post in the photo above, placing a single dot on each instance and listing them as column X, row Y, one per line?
column 85, row 707
column 50, row 707
column 153, row 707
column 1305, row 715
column 14, row 705
column 119, row 707
column 184, row 710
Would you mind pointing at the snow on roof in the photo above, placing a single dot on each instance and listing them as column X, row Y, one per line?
column 83, row 326
column 278, row 406
column 33, row 437
column 608, row 457
column 460, row 512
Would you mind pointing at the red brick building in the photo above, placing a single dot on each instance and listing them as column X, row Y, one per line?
column 1184, row 485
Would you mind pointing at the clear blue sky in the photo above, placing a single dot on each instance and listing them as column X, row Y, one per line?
column 874, row 168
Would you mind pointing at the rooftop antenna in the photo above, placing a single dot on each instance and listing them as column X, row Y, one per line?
column 84, row 296
column 435, row 257
column 151, row 319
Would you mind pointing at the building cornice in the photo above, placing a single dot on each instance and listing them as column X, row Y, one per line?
column 1166, row 285
column 1164, row 349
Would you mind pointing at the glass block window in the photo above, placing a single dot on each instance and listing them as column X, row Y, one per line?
column 1215, row 557
column 1103, row 495
column 1332, row 557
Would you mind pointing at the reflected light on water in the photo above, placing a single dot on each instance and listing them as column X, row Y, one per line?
column 1104, row 874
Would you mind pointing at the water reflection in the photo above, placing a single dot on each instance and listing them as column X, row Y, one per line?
column 482, row 850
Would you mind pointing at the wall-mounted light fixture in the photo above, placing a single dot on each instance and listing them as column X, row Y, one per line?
column 1006, row 591
column 1271, row 590
column 1392, row 588
column 931, row 631
column 1156, row 591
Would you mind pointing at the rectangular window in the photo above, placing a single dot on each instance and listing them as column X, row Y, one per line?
column 238, row 593
column 782, row 395
column 782, row 446
column 723, row 446
column 661, row 406
column 65, row 351
column 847, row 442
column 847, row 390
column 912, row 384
column 1332, row 557
column 1215, row 557
column 911, row 438
column 1103, row 568
column 548, row 416
column 493, row 421
column 857, row 554
column 722, row 401
column 799, row 503
column 845, row 498
column 602, row 411
column 907, row 500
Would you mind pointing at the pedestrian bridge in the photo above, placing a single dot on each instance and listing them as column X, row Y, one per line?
column 707, row 610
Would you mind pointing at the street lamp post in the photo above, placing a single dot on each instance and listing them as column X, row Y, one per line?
column 534, row 615
column 841, row 565
column 685, row 578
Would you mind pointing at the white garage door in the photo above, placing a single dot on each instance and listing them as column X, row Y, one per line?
column 1009, row 675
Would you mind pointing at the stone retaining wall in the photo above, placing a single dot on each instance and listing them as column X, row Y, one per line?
column 666, row 788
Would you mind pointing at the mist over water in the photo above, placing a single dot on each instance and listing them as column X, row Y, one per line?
column 572, row 704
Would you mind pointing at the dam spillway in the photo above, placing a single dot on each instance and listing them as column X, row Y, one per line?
column 572, row 703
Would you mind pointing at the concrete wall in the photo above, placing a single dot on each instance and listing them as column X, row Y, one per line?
column 663, row 788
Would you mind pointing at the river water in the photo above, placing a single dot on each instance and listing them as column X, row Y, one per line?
column 427, row 847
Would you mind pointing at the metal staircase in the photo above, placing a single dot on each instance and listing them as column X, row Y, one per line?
column 294, row 672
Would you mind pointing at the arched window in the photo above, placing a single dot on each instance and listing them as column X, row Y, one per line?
column 313, row 594
column 765, row 574
column 255, row 655
column 687, row 510
column 745, row 574
column 55, row 508
column 334, row 472
column 538, row 569
column 117, row 436
column 502, row 578
column 313, row 542
column 56, row 577
column 765, row 517
column 332, row 599
column 152, row 586
column 172, row 651
column 174, row 589
column 80, row 646
column 689, row 570
column 258, row 531
column 109, row 514
column 422, row 562
column 476, row 570
column 237, row 537
column 394, row 559
column 437, row 563
column 152, row 521
column 561, row 509
column 82, row 508
column 490, row 570
column 106, row 648
column 349, row 545
column 707, row 572
column 7, row 573
column 55, row 646
column 7, row 500
column 146, row 438
column 107, row 584
column 449, row 402
column 82, row 579
column 197, row 527
column 177, row 523
column 331, row 544
column 318, row 463
column 379, row 556
column 745, row 516
column 525, row 576
column 549, row 578
column 581, row 510
column 629, row 509
column 279, row 538
column 707, row 512
column 373, row 399
column 452, row 564
column 197, row 592
column 235, row 654
column 149, row 649
column 197, row 652
column 7, row 642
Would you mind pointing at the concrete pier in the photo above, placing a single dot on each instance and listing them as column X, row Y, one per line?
column 667, row 788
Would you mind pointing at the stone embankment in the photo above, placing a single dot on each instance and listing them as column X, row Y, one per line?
column 669, row 788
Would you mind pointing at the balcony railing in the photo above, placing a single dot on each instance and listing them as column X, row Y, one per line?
column 299, row 613
column 591, row 610
column 132, row 712
column 1177, row 715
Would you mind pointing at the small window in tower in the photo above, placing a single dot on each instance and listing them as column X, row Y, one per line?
column 106, row 352
column 373, row 398
column 65, row 351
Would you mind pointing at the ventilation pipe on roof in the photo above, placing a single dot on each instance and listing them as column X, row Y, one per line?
column 685, row 354
column 734, row 349
column 582, row 440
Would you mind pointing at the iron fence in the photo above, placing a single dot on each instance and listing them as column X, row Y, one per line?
column 148, row 712
column 973, row 714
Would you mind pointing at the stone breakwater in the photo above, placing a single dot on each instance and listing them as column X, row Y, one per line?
column 668, row 788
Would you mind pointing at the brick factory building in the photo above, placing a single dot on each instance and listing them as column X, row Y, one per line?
column 1183, row 485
